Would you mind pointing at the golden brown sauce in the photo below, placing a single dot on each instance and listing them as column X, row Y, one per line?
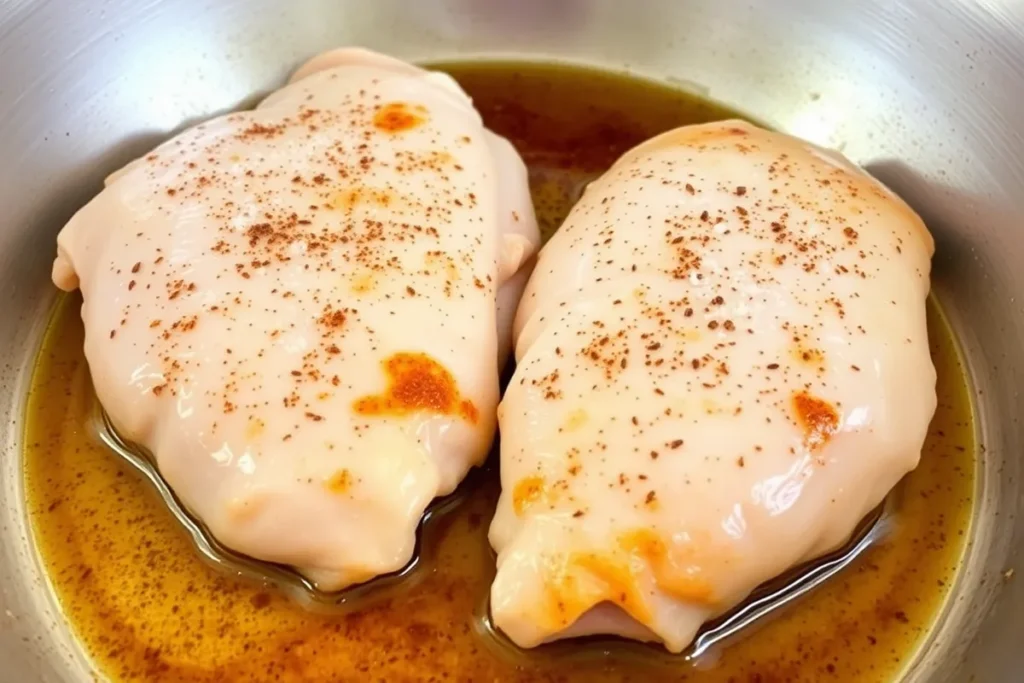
column 147, row 608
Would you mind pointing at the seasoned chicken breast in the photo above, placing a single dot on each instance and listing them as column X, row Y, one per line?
column 295, row 309
column 723, row 367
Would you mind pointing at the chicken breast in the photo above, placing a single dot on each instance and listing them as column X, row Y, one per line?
column 723, row 367
column 295, row 309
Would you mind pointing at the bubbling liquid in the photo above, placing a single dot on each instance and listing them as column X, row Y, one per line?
column 147, row 607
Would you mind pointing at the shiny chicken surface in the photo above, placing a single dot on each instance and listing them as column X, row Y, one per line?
column 723, row 367
column 301, row 310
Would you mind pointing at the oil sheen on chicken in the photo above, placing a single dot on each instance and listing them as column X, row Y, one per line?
column 723, row 367
column 301, row 310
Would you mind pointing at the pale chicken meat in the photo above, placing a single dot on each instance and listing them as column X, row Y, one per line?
column 723, row 367
column 296, row 310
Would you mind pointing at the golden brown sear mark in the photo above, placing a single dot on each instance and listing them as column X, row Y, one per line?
column 397, row 117
column 526, row 492
column 417, row 382
column 340, row 482
column 818, row 418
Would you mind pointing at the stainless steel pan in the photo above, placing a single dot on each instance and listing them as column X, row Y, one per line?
column 929, row 95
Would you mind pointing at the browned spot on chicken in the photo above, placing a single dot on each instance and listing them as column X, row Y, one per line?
column 680, row 571
column 396, row 117
column 526, row 492
column 348, row 198
column 340, row 482
column 417, row 383
column 818, row 418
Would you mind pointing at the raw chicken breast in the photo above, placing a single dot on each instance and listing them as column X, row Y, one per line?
column 723, row 367
column 295, row 309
